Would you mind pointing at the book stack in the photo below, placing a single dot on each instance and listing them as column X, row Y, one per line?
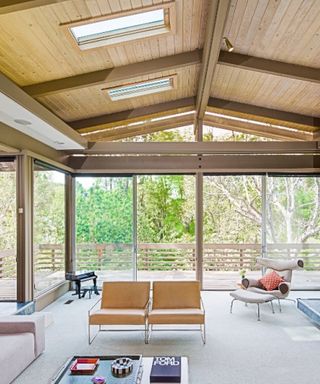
column 166, row 369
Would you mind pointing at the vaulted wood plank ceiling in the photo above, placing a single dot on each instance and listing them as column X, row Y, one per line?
column 277, row 82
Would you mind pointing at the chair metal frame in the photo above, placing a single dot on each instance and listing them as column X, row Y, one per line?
column 202, row 328
column 145, row 329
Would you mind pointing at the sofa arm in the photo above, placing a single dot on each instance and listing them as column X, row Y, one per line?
column 247, row 283
column 284, row 288
column 26, row 323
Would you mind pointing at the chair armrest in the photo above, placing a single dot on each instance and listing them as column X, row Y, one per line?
column 247, row 283
column 26, row 324
column 94, row 305
column 202, row 305
column 284, row 288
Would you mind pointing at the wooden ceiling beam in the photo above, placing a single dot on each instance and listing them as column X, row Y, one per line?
column 120, row 74
column 150, row 127
column 274, row 114
column 256, row 129
column 216, row 20
column 272, row 67
column 209, row 147
column 175, row 106
column 10, row 6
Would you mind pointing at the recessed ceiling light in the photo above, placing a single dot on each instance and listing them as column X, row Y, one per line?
column 22, row 122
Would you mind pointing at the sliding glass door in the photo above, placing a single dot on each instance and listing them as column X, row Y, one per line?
column 166, row 227
column 8, row 264
column 104, row 227
column 231, row 229
column 293, row 225
column 48, row 228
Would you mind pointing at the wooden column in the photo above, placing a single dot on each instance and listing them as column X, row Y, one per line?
column 24, row 228
column 70, row 238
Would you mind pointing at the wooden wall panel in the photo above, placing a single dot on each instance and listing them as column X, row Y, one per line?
column 266, row 90
column 283, row 30
column 94, row 101
column 34, row 47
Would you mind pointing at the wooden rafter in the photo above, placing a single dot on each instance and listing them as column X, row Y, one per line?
column 278, row 68
column 132, row 115
column 296, row 120
column 257, row 129
column 216, row 20
column 119, row 74
column 141, row 129
column 9, row 6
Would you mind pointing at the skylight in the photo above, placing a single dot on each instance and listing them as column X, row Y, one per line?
column 141, row 88
column 120, row 29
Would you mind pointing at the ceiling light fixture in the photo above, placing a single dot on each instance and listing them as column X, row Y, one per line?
column 229, row 46
column 22, row 122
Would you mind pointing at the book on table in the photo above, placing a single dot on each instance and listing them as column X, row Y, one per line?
column 166, row 369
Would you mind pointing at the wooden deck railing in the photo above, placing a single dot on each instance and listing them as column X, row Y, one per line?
column 161, row 257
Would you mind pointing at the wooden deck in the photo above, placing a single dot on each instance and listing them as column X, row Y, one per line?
column 211, row 280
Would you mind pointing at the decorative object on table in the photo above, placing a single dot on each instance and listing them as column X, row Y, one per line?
column 63, row 376
column 84, row 366
column 122, row 366
column 166, row 369
column 242, row 273
column 98, row 380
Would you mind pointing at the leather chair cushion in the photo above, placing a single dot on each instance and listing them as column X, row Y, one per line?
column 176, row 316
column 176, row 294
column 118, row 316
column 125, row 294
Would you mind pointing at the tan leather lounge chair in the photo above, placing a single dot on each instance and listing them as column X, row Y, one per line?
column 177, row 302
column 122, row 303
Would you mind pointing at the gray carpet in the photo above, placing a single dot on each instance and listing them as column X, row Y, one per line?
column 283, row 348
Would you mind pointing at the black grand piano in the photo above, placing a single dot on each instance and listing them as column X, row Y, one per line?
column 81, row 276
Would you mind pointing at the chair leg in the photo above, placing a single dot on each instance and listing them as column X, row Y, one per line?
column 231, row 305
column 146, row 336
column 280, row 309
column 258, row 312
column 149, row 332
column 203, row 332
column 272, row 308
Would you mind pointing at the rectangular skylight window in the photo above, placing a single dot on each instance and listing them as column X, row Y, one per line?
column 120, row 29
column 141, row 89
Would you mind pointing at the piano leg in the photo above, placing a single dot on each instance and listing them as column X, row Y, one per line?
column 78, row 288
column 95, row 288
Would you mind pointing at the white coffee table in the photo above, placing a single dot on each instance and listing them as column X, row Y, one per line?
column 147, row 364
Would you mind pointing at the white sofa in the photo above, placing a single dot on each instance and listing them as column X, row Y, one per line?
column 22, row 340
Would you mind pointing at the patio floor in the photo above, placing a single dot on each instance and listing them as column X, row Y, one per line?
column 211, row 280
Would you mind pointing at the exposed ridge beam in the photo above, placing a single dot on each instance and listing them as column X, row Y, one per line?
column 86, row 125
column 185, row 148
column 278, row 68
column 216, row 20
column 118, row 74
column 10, row 6
column 275, row 114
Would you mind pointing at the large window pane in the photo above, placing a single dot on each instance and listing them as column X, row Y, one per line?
column 49, row 228
column 293, row 225
column 166, row 227
column 231, row 229
column 8, row 265
column 104, row 226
